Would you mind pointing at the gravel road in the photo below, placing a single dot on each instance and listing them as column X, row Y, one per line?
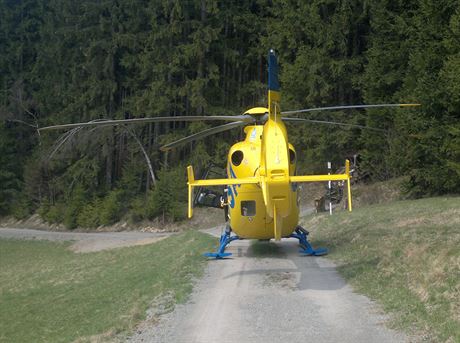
column 87, row 242
column 267, row 292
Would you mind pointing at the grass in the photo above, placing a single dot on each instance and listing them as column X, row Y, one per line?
column 50, row 294
column 405, row 255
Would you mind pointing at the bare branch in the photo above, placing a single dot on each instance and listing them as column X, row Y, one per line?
column 22, row 122
column 146, row 156
column 63, row 139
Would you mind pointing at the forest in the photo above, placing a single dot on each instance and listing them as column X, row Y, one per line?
column 64, row 61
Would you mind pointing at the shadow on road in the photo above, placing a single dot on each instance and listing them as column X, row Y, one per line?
column 310, row 272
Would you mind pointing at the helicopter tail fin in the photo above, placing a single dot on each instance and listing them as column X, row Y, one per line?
column 212, row 182
column 274, row 95
column 273, row 83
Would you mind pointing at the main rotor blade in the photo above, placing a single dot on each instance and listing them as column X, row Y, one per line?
column 108, row 122
column 302, row 120
column 334, row 108
column 202, row 134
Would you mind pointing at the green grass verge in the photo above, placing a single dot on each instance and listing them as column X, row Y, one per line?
column 405, row 255
column 50, row 294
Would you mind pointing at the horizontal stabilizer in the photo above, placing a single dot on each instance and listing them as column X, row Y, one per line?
column 329, row 177
column 213, row 182
column 319, row 178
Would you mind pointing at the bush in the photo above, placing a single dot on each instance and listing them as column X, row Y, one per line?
column 167, row 199
column 55, row 214
column 112, row 208
column 138, row 211
column 73, row 207
column 177, row 211
column 89, row 216
column 52, row 213
column 21, row 207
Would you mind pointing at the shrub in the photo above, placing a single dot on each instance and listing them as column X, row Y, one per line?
column 167, row 199
column 52, row 213
column 138, row 209
column 89, row 215
column 74, row 205
column 112, row 207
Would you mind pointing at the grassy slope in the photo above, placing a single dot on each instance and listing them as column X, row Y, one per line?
column 406, row 255
column 49, row 294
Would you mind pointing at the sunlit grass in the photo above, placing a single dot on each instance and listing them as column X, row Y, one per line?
column 406, row 255
column 50, row 294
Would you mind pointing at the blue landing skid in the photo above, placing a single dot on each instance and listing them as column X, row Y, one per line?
column 225, row 240
column 301, row 234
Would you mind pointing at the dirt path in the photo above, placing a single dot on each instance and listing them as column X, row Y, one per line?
column 87, row 242
column 267, row 292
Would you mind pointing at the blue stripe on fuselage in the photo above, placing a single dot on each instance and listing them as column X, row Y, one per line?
column 231, row 191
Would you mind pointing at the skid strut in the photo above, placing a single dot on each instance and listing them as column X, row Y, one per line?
column 225, row 240
column 301, row 234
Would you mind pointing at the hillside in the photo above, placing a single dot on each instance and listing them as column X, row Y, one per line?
column 403, row 254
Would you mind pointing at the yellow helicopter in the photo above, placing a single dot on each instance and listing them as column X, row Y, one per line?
column 261, row 187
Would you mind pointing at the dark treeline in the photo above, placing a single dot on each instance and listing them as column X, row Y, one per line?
column 70, row 61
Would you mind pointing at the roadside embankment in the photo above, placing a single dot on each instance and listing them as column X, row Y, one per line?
column 405, row 255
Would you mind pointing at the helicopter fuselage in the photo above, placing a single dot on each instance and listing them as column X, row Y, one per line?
column 250, row 212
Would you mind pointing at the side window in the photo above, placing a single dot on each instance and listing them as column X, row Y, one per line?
column 248, row 208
